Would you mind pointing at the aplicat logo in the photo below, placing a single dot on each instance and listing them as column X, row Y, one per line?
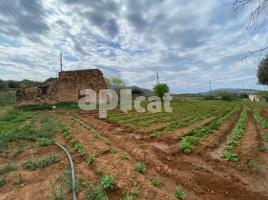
column 107, row 99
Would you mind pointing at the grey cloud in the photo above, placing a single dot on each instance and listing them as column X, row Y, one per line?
column 23, row 17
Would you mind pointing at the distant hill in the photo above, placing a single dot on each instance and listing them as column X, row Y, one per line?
column 232, row 90
column 143, row 91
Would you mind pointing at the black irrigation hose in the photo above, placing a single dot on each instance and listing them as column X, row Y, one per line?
column 72, row 169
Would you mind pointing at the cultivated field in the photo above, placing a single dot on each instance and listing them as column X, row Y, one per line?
column 202, row 150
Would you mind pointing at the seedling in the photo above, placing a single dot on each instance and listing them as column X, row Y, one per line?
column 113, row 150
column 99, row 171
column 140, row 167
column 156, row 182
column 230, row 156
column 155, row 134
column 125, row 156
column 96, row 193
column 179, row 192
column 90, row 159
column 108, row 183
column 127, row 198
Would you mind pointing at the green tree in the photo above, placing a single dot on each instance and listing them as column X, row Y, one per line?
column 115, row 83
column 160, row 89
column 262, row 72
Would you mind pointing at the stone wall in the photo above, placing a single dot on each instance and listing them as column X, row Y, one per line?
column 66, row 89
column 71, row 82
column 46, row 93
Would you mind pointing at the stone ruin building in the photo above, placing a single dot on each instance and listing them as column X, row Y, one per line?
column 65, row 89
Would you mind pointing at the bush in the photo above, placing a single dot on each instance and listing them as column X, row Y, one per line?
column 226, row 96
column 108, row 183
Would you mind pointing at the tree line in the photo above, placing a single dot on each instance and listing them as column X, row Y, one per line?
column 6, row 84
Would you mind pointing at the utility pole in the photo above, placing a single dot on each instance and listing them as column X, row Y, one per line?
column 157, row 78
column 61, row 62
column 210, row 87
column 243, row 91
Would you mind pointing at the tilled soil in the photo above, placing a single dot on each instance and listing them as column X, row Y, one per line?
column 202, row 177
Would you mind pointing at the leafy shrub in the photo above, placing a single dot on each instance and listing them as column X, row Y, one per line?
column 179, row 192
column 156, row 182
column 140, row 167
column 90, row 159
column 108, row 183
column 96, row 193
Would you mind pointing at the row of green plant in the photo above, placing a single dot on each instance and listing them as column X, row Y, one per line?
column 45, row 162
column 188, row 142
column 239, row 130
column 264, row 124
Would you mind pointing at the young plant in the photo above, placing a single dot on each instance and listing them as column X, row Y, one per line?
column 179, row 193
column 90, row 159
column 230, row 156
column 96, row 193
column 113, row 150
column 125, row 156
column 108, row 183
column 140, row 167
column 127, row 197
column 44, row 142
column 155, row 134
column 265, row 137
column 50, row 160
column 99, row 171
column 156, row 182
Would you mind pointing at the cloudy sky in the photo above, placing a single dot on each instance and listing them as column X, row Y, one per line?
column 187, row 42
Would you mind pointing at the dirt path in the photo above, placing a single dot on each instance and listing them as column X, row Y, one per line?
column 208, row 180
column 215, row 142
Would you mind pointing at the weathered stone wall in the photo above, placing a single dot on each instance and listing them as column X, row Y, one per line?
column 66, row 89
column 71, row 82
column 46, row 93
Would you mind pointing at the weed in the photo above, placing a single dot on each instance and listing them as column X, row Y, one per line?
column 253, row 166
column 113, row 150
column 99, row 171
column 141, row 167
column 155, row 134
column 2, row 181
column 179, row 192
column 264, row 148
column 7, row 169
column 96, row 193
column 265, row 137
column 108, row 183
column 125, row 156
column 156, row 182
column 19, row 180
column 230, row 156
column 90, row 159
column 58, row 195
